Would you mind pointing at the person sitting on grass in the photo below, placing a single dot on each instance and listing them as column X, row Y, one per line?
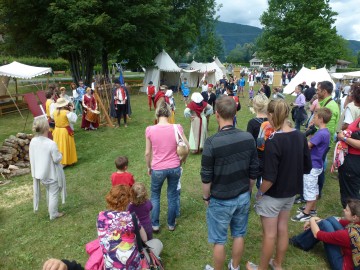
column 338, row 235
column 121, row 176
column 318, row 145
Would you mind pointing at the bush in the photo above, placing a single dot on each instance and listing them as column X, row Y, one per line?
column 56, row 64
column 347, row 69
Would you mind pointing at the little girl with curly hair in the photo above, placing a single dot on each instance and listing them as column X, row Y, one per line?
column 141, row 206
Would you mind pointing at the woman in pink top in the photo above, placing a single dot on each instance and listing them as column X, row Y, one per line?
column 163, row 163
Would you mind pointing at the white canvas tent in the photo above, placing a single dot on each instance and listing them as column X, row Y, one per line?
column 346, row 75
column 165, row 72
column 197, row 70
column 221, row 66
column 308, row 76
column 21, row 71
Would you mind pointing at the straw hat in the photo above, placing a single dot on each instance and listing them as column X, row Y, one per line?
column 61, row 102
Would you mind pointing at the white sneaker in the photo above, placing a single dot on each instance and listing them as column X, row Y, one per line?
column 208, row 267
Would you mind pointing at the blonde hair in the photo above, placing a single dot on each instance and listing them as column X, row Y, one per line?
column 40, row 125
column 260, row 103
column 163, row 110
column 139, row 193
column 279, row 111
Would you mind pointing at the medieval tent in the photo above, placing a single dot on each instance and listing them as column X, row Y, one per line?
column 165, row 72
column 308, row 76
column 21, row 71
column 197, row 72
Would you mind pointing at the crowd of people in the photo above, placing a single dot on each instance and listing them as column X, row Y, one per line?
column 279, row 159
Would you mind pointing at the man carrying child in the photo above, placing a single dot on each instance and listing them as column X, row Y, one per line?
column 318, row 145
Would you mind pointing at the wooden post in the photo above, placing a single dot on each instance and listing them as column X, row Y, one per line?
column 103, row 109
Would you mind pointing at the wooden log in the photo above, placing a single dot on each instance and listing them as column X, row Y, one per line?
column 15, row 158
column 5, row 171
column 8, row 150
column 30, row 136
column 22, row 164
column 26, row 148
column 9, row 144
column 20, row 172
column 22, row 135
column 26, row 157
column 6, row 157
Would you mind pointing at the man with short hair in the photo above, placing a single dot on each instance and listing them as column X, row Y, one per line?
column 229, row 167
column 310, row 92
column 266, row 89
column 223, row 81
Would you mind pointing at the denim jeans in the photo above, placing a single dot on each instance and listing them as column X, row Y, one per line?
column 157, row 180
column 307, row 241
column 222, row 214
column 78, row 107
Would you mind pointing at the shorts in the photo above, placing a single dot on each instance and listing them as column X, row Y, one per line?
column 221, row 214
column 311, row 186
column 271, row 207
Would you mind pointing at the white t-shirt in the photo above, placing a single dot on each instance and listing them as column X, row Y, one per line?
column 204, row 88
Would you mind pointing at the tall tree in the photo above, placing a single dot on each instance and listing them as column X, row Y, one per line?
column 300, row 32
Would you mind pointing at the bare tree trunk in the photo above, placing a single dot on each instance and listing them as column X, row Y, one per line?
column 104, row 64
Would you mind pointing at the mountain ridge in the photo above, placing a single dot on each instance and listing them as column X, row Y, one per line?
column 235, row 33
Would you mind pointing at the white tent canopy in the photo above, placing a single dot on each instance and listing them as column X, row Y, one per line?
column 221, row 66
column 346, row 75
column 197, row 71
column 164, row 72
column 22, row 71
column 308, row 75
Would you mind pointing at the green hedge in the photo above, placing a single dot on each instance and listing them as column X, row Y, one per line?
column 56, row 64
column 347, row 69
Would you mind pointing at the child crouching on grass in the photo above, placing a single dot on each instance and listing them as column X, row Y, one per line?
column 318, row 146
column 141, row 206
column 122, row 177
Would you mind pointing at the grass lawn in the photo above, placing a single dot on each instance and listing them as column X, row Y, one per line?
column 28, row 239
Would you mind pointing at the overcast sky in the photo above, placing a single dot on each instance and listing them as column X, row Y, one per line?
column 248, row 12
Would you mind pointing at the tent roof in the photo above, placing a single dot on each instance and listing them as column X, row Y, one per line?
column 346, row 75
column 164, row 63
column 22, row 71
column 217, row 61
column 308, row 75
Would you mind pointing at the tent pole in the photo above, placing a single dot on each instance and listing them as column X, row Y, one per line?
column 13, row 99
column 16, row 89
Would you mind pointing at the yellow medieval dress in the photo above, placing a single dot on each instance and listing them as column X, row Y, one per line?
column 64, row 136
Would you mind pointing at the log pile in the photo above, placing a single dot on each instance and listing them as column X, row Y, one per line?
column 14, row 155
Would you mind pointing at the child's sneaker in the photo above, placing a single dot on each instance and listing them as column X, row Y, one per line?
column 312, row 212
column 208, row 267
column 301, row 217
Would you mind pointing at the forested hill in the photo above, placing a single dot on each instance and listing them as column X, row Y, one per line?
column 234, row 33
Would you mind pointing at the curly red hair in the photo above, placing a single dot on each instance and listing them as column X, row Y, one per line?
column 118, row 198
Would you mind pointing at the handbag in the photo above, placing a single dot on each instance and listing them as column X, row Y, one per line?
column 182, row 149
column 148, row 260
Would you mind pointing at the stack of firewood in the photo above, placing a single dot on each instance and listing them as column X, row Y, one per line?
column 14, row 155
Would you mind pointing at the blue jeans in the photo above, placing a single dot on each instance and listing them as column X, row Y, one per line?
column 157, row 180
column 221, row 214
column 78, row 107
column 307, row 241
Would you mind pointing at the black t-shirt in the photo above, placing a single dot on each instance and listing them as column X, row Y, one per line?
column 309, row 93
column 267, row 90
column 286, row 159
column 253, row 128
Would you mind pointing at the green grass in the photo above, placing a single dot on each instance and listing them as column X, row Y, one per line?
column 28, row 239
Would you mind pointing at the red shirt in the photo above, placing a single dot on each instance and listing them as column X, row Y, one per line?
column 124, row 178
column 354, row 127
column 340, row 238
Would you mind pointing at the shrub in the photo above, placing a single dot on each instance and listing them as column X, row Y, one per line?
column 55, row 64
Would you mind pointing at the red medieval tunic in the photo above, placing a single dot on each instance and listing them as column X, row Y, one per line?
column 90, row 102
